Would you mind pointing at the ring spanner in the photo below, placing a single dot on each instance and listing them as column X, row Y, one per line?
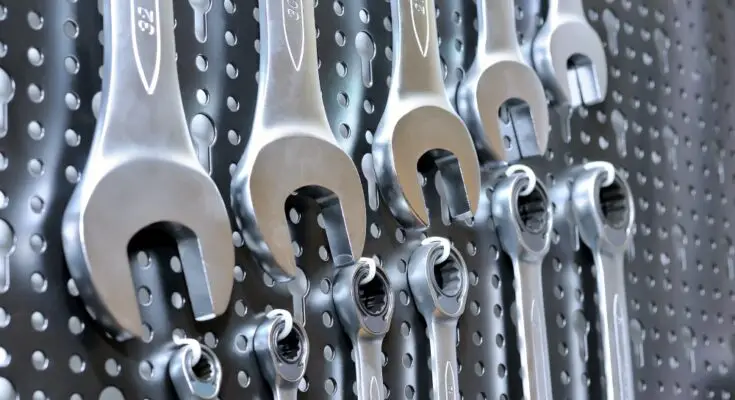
column 292, row 148
column 281, row 358
column 501, row 77
column 419, row 119
column 439, row 290
column 599, row 205
column 523, row 222
column 365, row 310
column 142, row 169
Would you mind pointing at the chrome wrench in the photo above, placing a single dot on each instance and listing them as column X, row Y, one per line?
column 142, row 169
column 437, row 277
column 364, row 300
column 419, row 119
column 522, row 214
column 195, row 371
column 499, row 76
column 282, row 351
column 291, row 133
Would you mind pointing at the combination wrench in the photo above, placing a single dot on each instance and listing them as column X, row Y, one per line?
column 594, row 202
column 438, row 281
column 419, row 119
column 521, row 212
column 282, row 352
column 142, row 170
column 364, row 300
column 292, row 148
column 500, row 77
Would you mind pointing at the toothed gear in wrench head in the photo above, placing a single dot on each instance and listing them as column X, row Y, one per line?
column 281, row 361
column 439, row 288
column 362, row 306
column 195, row 379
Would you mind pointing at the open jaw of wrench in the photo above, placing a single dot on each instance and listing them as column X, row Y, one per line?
column 439, row 289
column 523, row 220
column 569, row 56
column 282, row 359
column 420, row 122
column 195, row 378
column 142, row 171
column 500, row 77
column 365, row 310
column 293, row 149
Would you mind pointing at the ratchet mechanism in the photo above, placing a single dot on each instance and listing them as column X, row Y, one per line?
column 500, row 80
column 292, row 148
column 142, row 170
column 364, row 301
column 195, row 371
column 419, row 120
column 437, row 278
column 523, row 219
column 595, row 203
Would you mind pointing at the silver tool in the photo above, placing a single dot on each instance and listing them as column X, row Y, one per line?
column 142, row 170
column 292, row 148
column 7, row 92
column 364, row 300
column 419, row 119
column 195, row 371
column 522, row 214
column 282, row 350
column 500, row 77
column 595, row 202
column 437, row 277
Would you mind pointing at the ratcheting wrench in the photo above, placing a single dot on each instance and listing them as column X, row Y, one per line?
column 419, row 119
column 439, row 288
column 523, row 219
column 282, row 350
column 292, row 148
column 500, row 76
column 195, row 371
column 142, row 169
column 595, row 202
column 365, row 305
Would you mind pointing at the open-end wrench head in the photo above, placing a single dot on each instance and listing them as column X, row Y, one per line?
column 439, row 289
column 364, row 309
column 284, row 360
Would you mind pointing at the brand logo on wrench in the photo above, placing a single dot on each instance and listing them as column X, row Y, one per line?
column 420, row 22
column 146, row 27
column 293, row 30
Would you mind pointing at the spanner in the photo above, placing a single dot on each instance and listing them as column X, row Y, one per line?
column 365, row 305
column 595, row 202
column 498, row 77
column 292, row 148
column 195, row 371
column 439, row 290
column 142, row 170
column 523, row 220
column 282, row 357
column 419, row 119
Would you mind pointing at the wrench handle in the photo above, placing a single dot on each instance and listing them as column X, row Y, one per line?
column 616, row 343
column 369, row 368
column 569, row 7
column 285, row 392
column 443, row 343
column 496, row 23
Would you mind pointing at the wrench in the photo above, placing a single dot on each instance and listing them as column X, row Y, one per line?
column 141, row 170
column 195, row 371
column 499, row 76
column 419, row 119
column 523, row 220
column 292, row 147
column 365, row 308
column 282, row 356
column 439, row 290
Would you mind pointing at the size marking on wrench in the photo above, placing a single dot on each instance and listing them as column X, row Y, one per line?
column 419, row 119
column 147, row 167
column 499, row 77
column 365, row 309
column 282, row 355
column 439, row 288
column 291, row 133
column 523, row 219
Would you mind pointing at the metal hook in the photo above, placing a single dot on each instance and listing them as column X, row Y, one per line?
column 193, row 345
column 609, row 171
column 372, row 266
column 444, row 242
column 287, row 321
column 520, row 168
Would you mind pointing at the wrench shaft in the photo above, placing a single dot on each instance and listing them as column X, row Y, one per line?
column 369, row 368
column 285, row 392
column 496, row 24
column 557, row 7
column 443, row 340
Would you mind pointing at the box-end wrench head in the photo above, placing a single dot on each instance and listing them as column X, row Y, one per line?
column 523, row 220
column 604, row 211
column 499, row 77
column 195, row 379
column 142, row 170
column 419, row 122
column 569, row 55
column 439, row 290
column 282, row 360
column 292, row 148
column 365, row 310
